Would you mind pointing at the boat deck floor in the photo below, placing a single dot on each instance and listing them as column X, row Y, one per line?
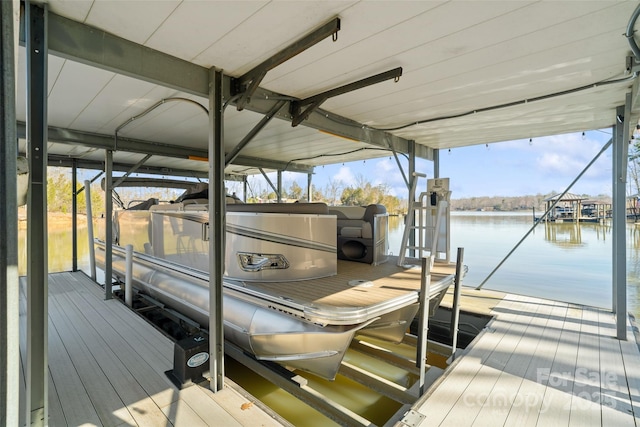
column 538, row 363
column 106, row 367
column 386, row 282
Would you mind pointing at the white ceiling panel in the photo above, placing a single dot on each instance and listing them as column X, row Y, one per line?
column 382, row 51
column 53, row 71
column 266, row 32
column 117, row 98
column 208, row 23
column 76, row 86
column 361, row 21
column 134, row 20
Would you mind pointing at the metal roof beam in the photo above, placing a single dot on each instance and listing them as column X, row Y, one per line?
column 231, row 156
column 65, row 161
column 313, row 102
column 263, row 100
column 88, row 45
column 247, row 84
column 107, row 142
column 79, row 42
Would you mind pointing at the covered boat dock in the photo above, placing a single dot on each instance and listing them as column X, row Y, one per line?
column 191, row 88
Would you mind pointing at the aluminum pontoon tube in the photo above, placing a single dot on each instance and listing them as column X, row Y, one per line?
column 263, row 329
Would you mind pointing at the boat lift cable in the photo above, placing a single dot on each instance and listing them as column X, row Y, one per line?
column 535, row 224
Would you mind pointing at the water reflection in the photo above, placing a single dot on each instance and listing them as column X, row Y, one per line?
column 563, row 234
column 569, row 234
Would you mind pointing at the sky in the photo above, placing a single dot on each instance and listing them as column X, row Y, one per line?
column 515, row 168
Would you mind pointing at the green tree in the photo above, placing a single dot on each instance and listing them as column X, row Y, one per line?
column 295, row 191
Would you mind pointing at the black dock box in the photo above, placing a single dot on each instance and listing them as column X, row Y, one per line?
column 190, row 361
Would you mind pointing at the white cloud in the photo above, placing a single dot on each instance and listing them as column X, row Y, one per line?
column 565, row 156
column 345, row 176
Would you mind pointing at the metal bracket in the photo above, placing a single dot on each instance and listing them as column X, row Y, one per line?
column 631, row 65
column 311, row 103
column 412, row 418
column 249, row 81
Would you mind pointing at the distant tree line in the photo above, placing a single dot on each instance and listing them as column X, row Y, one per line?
column 361, row 193
column 499, row 203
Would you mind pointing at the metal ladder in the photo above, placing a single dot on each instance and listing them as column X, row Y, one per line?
column 428, row 234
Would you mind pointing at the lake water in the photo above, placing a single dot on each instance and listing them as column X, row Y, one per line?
column 565, row 262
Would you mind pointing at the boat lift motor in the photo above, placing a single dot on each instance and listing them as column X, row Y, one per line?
column 190, row 361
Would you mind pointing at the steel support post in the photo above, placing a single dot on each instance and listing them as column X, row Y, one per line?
column 619, row 220
column 436, row 163
column 455, row 308
column 216, row 229
column 309, row 188
column 423, row 321
column 412, row 196
column 245, row 188
column 108, row 224
column 279, row 186
column 9, row 311
column 37, row 268
column 74, row 215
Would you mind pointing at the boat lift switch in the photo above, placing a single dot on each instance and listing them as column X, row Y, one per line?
column 190, row 361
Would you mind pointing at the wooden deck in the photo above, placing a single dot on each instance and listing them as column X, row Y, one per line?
column 538, row 363
column 106, row 368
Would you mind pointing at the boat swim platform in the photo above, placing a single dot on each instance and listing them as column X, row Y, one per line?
column 537, row 363
column 107, row 364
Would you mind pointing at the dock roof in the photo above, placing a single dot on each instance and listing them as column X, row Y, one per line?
column 472, row 73
column 569, row 197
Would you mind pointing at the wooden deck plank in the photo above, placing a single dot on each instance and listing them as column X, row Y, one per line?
column 557, row 396
column 180, row 413
column 532, row 391
column 478, row 394
column 56, row 414
column 143, row 409
column 245, row 412
column 454, row 383
column 122, row 335
column 504, row 395
column 555, row 373
column 207, row 409
column 585, row 399
column 111, row 409
column 77, row 407
column 614, row 388
column 631, row 358
column 115, row 312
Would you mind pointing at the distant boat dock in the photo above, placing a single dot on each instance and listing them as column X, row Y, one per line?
column 574, row 208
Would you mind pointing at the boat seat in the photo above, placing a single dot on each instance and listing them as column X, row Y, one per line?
column 355, row 229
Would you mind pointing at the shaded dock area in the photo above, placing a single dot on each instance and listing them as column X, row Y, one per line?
column 106, row 368
column 537, row 363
